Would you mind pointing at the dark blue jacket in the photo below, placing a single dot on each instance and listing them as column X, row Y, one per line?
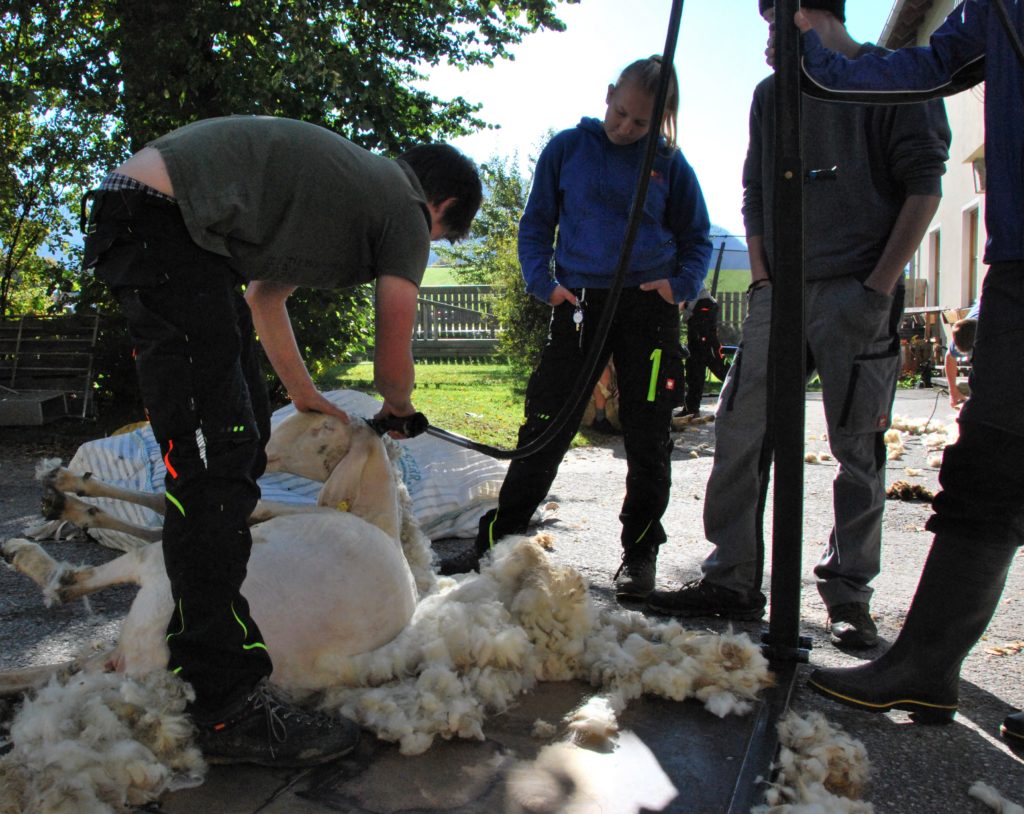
column 970, row 46
column 583, row 185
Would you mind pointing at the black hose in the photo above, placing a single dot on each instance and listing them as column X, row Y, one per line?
column 589, row 366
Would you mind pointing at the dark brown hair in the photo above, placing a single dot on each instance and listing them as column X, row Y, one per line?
column 444, row 173
column 963, row 334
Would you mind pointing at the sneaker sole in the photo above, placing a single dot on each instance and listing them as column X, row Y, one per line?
column 853, row 644
column 635, row 596
column 693, row 613
column 920, row 711
column 296, row 763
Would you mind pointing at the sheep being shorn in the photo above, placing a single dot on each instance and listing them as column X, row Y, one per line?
column 471, row 646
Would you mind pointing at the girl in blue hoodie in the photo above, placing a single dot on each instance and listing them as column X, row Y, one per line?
column 582, row 191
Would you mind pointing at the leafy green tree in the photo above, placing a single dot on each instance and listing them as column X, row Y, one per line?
column 490, row 257
column 121, row 72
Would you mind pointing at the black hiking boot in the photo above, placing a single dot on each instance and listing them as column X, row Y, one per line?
column 703, row 598
column 850, row 625
column 264, row 730
column 635, row 577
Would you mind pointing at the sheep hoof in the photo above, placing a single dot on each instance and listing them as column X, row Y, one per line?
column 53, row 502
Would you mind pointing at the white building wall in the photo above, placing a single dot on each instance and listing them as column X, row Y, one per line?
column 950, row 230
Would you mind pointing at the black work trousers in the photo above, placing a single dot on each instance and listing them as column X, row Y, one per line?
column 644, row 339
column 195, row 356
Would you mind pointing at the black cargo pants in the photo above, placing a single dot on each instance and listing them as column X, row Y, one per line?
column 199, row 375
column 644, row 340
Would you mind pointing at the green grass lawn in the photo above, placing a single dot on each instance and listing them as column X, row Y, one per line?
column 483, row 402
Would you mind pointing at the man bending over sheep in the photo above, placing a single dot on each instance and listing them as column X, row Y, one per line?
column 271, row 204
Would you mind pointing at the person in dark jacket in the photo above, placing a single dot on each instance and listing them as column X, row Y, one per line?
column 176, row 232
column 862, row 224
column 978, row 519
column 583, row 189
column 704, row 349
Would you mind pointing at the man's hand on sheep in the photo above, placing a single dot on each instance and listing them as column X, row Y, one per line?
column 314, row 402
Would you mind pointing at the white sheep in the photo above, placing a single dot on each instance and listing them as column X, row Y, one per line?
column 314, row 579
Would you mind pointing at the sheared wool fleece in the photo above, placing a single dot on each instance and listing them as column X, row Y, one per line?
column 820, row 769
column 993, row 799
column 99, row 743
column 485, row 638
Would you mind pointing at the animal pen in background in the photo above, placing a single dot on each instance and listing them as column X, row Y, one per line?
column 457, row 322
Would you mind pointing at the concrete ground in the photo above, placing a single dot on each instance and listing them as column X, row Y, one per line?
column 672, row 757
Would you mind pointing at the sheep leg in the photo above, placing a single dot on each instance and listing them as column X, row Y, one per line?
column 63, row 582
column 266, row 509
column 14, row 683
column 64, row 480
column 57, row 505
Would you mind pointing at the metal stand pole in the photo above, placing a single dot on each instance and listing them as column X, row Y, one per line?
column 787, row 365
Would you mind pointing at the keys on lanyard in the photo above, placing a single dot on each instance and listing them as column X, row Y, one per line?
column 577, row 315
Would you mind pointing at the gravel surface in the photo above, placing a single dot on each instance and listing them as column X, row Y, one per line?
column 915, row 768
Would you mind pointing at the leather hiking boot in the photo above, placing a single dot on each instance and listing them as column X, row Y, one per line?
column 1012, row 729
column 850, row 625
column 703, row 598
column 635, row 577
column 264, row 730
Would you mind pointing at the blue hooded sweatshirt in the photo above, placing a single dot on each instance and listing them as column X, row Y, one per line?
column 584, row 186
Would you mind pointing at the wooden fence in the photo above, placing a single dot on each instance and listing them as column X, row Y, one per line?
column 456, row 321
column 46, row 367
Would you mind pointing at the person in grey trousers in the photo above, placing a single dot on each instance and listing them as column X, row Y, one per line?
column 872, row 186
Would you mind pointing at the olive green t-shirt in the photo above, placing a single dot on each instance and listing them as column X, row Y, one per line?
column 293, row 202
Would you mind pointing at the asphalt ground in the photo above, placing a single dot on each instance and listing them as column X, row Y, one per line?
column 915, row 769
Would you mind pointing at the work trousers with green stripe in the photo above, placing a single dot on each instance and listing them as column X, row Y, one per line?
column 644, row 341
column 199, row 376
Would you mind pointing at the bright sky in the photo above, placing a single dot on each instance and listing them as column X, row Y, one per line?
column 557, row 78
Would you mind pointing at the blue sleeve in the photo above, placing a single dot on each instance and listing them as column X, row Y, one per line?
column 954, row 60
column 538, row 223
column 688, row 219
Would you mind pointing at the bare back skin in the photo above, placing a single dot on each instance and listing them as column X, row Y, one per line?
column 147, row 166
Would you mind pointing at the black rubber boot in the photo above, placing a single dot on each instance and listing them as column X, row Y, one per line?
column 955, row 599
column 1012, row 729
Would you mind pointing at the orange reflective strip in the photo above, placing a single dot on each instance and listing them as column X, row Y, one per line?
column 167, row 460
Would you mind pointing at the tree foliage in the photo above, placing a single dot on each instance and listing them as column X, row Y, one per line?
column 83, row 83
column 491, row 257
